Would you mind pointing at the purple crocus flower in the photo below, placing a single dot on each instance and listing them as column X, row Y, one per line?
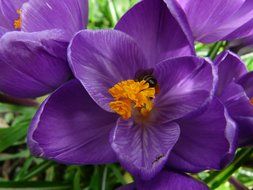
column 133, row 105
column 34, row 36
column 235, row 90
column 167, row 180
column 217, row 20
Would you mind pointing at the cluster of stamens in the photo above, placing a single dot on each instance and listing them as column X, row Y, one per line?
column 130, row 96
column 18, row 22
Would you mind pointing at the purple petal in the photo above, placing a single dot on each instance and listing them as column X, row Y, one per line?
column 100, row 59
column 219, row 19
column 171, row 180
column 186, row 84
column 143, row 150
column 68, row 15
column 32, row 64
column 70, row 128
column 207, row 141
column 246, row 81
column 241, row 22
column 230, row 68
column 242, row 46
column 241, row 110
column 8, row 12
column 156, row 31
column 205, row 17
column 2, row 31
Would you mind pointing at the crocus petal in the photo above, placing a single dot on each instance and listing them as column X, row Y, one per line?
column 156, row 31
column 8, row 10
column 241, row 22
column 219, row 19
column 207, row 141
column 68, row 15
column 167, row 180
column 242, row 46
column 143, row 150
column 246, row 81
column 230, row 68
column 32, row 64
column 100, row 59
column 206, row 16
column 2, row 31
column 241, row 110
column 185, row 83
column 70, row 128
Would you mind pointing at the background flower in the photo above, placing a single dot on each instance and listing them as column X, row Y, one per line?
column 33, row 58
column 216, row 20
column 237, row 99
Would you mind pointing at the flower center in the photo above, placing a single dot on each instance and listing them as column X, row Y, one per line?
column 17, row 23
column 131, row 96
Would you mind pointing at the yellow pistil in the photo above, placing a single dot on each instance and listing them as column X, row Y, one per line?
column 18, row 22
column 132, row 95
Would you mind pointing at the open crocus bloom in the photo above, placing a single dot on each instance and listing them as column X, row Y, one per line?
column 216, row 20
column 167, row 180
column 131, row 104
column 235, row 90
column 34, row 36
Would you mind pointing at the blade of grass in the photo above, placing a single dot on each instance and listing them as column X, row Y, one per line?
column 76, row 181
column 24, row 169
column 22, row 154
column 104, row 178
column 37, row 170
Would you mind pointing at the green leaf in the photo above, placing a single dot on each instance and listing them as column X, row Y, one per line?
column 24, row 170
column 117, row 173
column 95, row 183
column 37, row 170
column 21, row 154
column 12, row 134
column 76, row 181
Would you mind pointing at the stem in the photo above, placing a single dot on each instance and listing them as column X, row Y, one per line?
column 18, row 101
column 218, row 178
column 113, row 13
column 237, row 184
column 216, row 48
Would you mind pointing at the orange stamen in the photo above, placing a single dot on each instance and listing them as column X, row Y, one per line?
column 17, row 23
column 129, row 95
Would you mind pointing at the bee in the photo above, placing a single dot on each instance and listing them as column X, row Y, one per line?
column 149, row 78
column 158, row 158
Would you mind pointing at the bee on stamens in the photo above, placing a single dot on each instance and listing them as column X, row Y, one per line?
column 149, row 78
